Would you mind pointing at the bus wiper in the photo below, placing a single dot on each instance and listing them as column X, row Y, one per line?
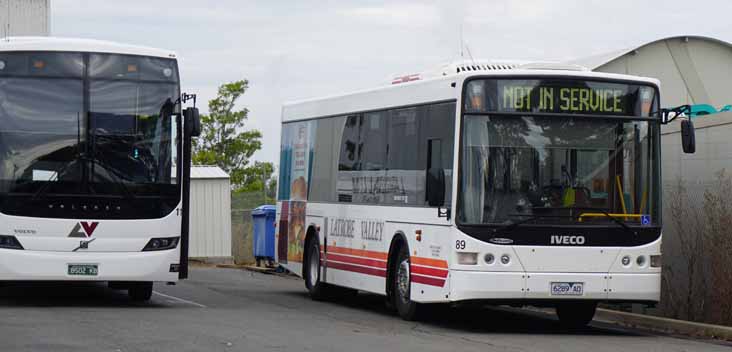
column 515, row 224
column 41, row 192
column 81, row 158
column 611, row 217
column 117, row 178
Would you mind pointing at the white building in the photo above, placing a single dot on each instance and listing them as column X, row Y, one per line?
column 25, row 18
column 210, row 218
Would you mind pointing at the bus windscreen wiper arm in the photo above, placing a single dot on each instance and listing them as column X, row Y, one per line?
column 611, row 217
column 513, row 225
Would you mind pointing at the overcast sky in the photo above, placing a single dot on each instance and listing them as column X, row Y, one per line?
column 291, row 50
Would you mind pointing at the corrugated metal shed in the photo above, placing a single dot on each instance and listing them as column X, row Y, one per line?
column 692, row 70
column 25, row 17
column 210, row 219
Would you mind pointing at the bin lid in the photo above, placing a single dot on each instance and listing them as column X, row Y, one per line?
column 264, row 210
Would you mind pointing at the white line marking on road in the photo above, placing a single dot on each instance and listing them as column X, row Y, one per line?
column 180, row 299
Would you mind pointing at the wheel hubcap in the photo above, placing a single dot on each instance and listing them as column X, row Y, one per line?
column 403, row 280
column 314, row 265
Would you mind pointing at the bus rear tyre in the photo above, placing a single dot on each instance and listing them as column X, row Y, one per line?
column 140, row 291
column 316, row 288
column 576, row 315
column 406, row 308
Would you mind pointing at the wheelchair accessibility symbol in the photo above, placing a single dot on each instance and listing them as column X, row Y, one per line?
column 645, row 220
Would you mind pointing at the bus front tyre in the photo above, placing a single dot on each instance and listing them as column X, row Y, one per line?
column 140, row 291
column 576, row 315
column 406, row 308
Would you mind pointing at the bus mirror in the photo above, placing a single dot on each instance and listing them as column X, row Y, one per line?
column 688, row 139
column 192, row 122
column 435, row 187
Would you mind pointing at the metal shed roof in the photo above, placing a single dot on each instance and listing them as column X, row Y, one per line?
column 206, row 171
column 595, row 61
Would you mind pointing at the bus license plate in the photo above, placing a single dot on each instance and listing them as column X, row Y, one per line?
column 567, row 288
column 83, row 269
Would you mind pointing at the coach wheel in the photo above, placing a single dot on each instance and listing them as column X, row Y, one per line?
column 576, row 314
column 140, row 291
column 402, row 287
column 312, row 272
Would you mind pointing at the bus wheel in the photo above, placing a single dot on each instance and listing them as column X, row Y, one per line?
column 402, row 287
column 140, row 291
column 312, row 272
column 576, row 315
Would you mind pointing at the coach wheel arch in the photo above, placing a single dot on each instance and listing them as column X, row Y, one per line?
column 311, row 235
column 396, row 242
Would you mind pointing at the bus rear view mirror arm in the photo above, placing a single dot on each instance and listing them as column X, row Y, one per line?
column 688, row 137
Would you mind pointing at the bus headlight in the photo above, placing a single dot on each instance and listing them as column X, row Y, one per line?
column 9, row 242
column 641, row 260
column 505, row 259
column 489, row 259
column 161, row 244
column 467, row 258
column 626, row 260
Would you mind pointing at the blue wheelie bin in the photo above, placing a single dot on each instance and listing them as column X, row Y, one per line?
column 263, row 218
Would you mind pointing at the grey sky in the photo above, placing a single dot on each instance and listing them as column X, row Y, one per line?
column 293, row 50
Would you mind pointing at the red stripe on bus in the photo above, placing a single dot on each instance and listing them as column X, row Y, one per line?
column 419, row 279
column 358, row 252
column 428, row 271
column 357, row 269
column 357, row 260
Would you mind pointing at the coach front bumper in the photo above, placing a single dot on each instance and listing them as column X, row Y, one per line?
column 25, row 265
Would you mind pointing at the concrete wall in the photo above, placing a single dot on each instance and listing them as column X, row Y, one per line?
column 25, row 18
column 210, row 218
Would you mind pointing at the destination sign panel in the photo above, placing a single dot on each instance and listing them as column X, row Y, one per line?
column 560, row 96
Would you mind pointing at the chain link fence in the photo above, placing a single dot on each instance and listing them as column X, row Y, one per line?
column 242, row 204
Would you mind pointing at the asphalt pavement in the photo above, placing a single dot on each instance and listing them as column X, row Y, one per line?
column 237, row 310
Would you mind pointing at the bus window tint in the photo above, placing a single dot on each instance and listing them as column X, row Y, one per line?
column 325, row 159
column 439, row 123
column 373, row 142
column 383, row 155
column 349, row 144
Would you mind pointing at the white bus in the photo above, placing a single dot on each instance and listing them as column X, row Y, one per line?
column 505, row 183
column 90, row 132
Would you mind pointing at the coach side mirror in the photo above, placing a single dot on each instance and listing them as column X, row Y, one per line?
column 688, row 138
column 192, row 122
column 435, row 187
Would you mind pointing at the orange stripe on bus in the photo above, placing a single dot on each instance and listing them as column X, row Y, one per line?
column 439, row 263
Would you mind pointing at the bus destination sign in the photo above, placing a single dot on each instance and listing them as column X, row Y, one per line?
column 559, row 96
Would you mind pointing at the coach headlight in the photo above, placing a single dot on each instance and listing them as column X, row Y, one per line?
column 161, row 244
column 9, row 242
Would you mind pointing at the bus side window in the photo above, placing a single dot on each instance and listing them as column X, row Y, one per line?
column 435, row 179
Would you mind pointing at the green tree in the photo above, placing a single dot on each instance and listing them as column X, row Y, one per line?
column 225, row 142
